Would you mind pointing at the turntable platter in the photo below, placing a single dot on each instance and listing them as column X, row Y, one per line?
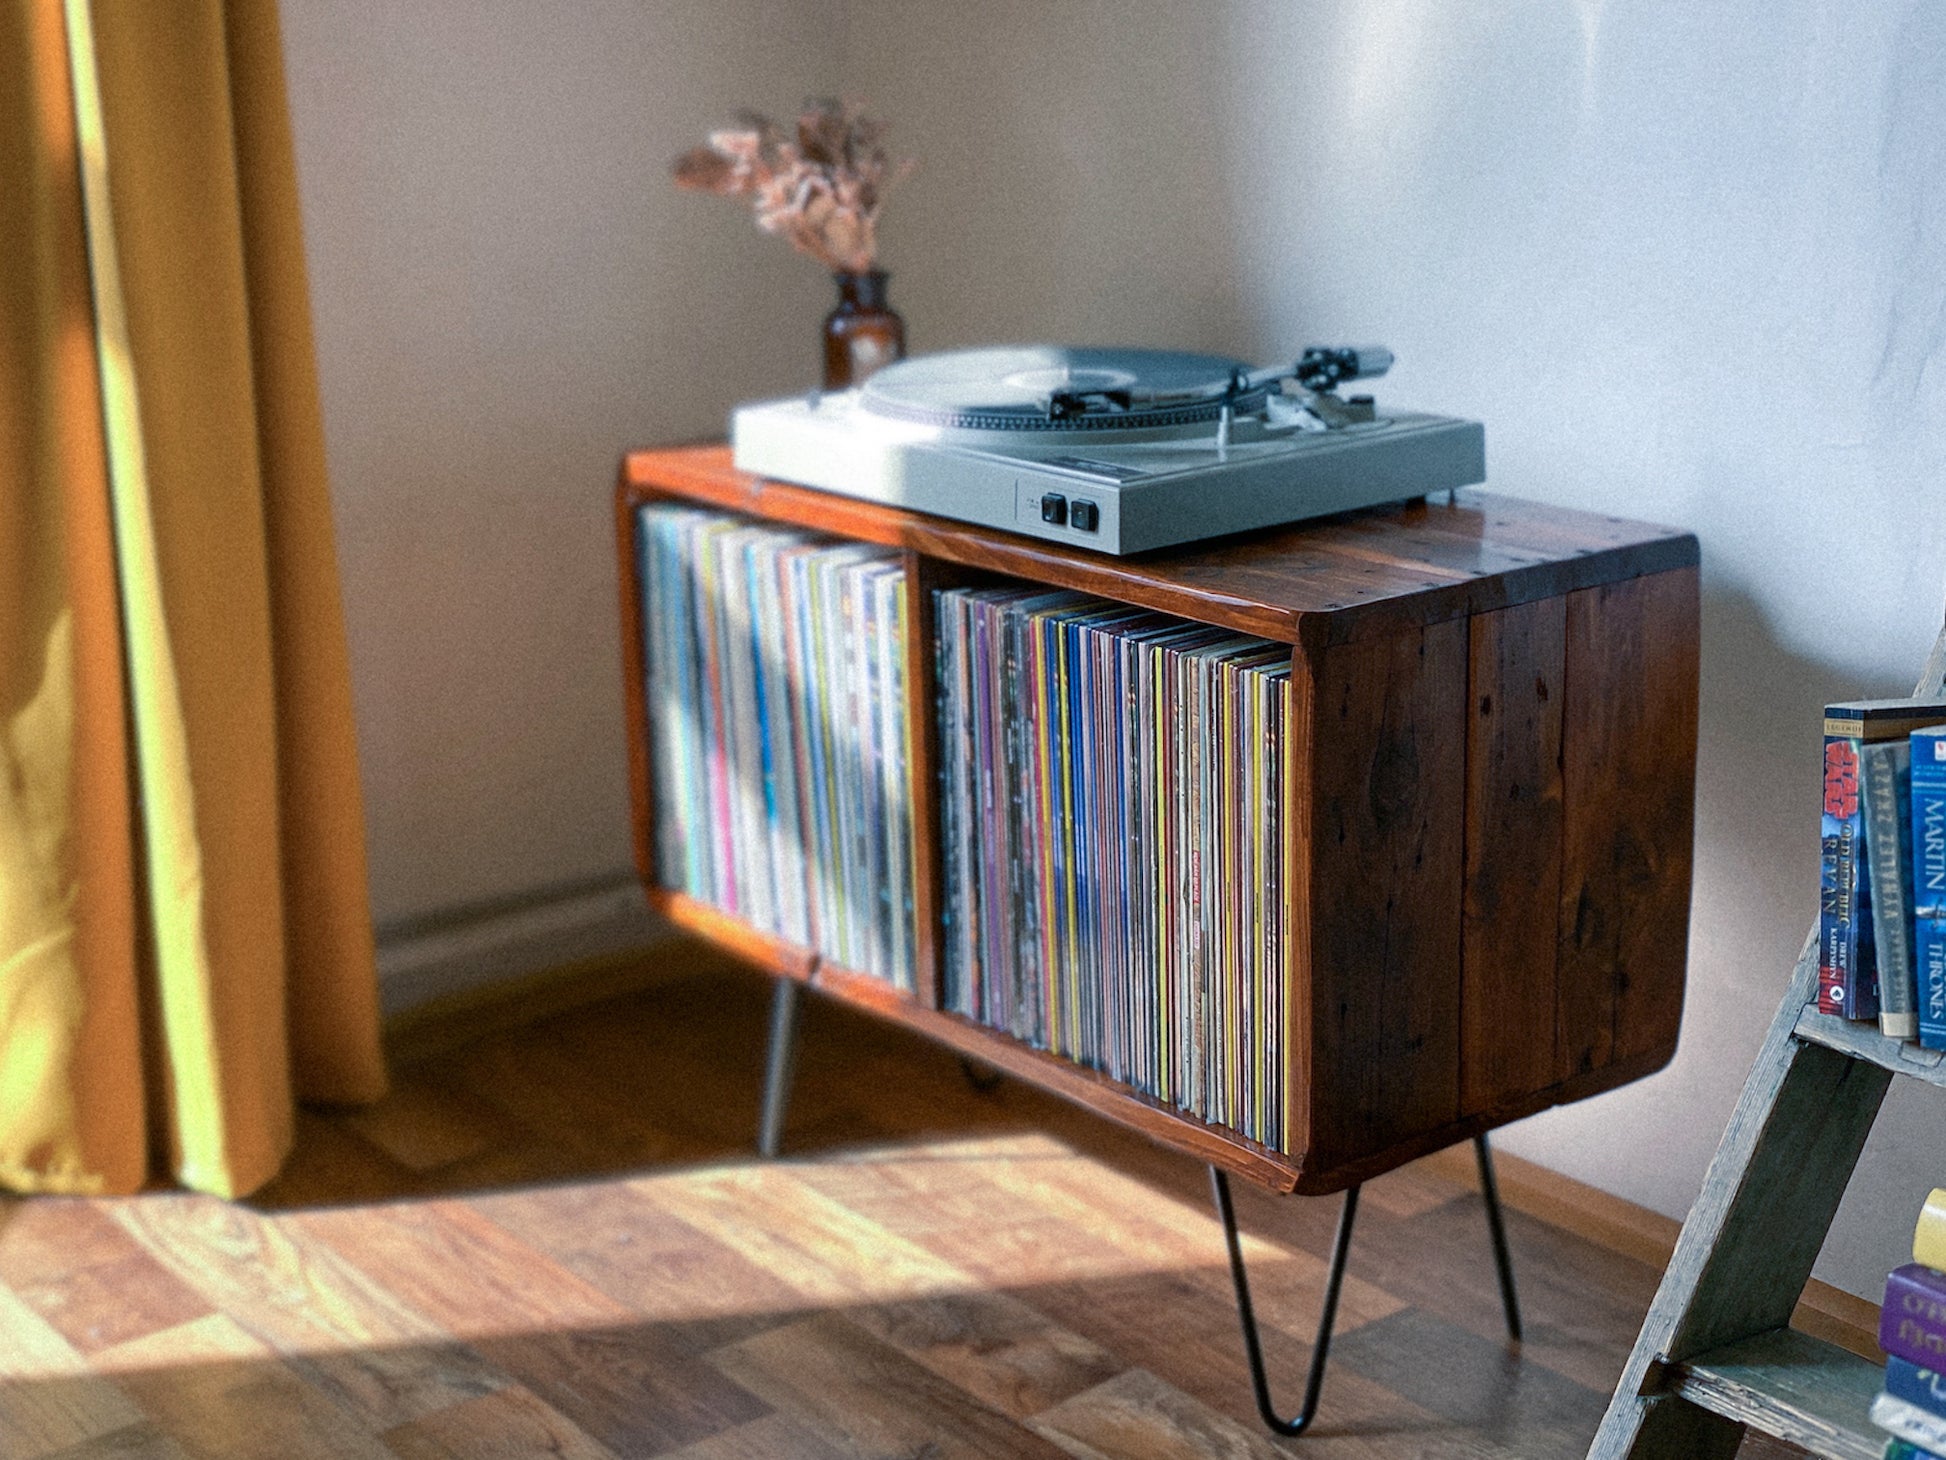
column 1052, row 388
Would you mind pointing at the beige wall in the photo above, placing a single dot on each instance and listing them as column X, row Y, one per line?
column 1685, row 263
column 508, row 293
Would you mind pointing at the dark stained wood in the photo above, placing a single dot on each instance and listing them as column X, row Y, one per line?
column 1426, row 1002
column 1513, row 850
column 1387, row 777
column 1072, row 1082
column 1479, row 552
column 635, row 709
column 1629, row 785
column 763, row 949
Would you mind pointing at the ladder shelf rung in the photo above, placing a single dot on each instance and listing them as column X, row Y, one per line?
column 1861, row 1040
column 1790, row 1385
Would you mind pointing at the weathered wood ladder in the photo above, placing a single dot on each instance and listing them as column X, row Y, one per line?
column 1716, row 1354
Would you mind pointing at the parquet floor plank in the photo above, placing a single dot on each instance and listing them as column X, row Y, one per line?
column 820, row 1248
column 774, row 1437
column 509, row 1424
column 554, row 1240
column 647, row 1259
column 995, row 1347
column 51, row 1398
column 1135, row 1416
column 864, row 1396
column 93, row 1283
column 271, row 1275
column 144, row 1441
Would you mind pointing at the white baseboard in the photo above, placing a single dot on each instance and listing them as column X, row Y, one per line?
column 438, row 958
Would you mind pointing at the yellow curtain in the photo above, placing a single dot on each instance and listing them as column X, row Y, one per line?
column 185, row 942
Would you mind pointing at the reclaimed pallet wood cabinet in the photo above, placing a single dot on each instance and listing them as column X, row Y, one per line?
column 1490, row 777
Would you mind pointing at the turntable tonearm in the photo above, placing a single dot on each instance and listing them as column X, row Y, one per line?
column 1120, row 451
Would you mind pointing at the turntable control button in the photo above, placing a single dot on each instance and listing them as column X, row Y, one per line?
column 1054, row 510
column 1084, row 515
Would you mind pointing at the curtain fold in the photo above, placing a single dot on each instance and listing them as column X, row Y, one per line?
column 185, row 943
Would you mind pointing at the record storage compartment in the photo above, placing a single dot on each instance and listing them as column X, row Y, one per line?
column 1489, row 773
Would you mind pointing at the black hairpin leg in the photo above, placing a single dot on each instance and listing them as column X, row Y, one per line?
column 778, row 1062
column 1334, row 1281
column 1252, row 1346
column 1496, row 1228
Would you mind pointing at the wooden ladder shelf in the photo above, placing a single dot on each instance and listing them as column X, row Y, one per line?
column 1716, row 1354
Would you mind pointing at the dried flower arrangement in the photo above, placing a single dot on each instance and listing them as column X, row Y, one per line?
column 819, row 187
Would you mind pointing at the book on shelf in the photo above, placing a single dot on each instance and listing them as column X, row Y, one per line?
column 1847, row 968
column 1898, row 1449
column 1912, row 1323
column 1929, row 1232
column 1915, row 1384
column 1928, row 823
column 1906, row 1421
column 1886, row 772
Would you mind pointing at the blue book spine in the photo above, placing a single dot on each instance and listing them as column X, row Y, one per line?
column 1929, row 882
column 1905, row 1450
column 1915, row 1385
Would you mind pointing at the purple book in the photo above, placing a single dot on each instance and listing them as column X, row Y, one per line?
column 1913, row 1322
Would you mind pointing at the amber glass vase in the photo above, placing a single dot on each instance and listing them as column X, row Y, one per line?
column 863, row 333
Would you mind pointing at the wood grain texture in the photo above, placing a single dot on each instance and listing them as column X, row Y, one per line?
column 1516, row 658
column 1439, row 1008
column 1386, row 789
column 509, row 1424
column 1794, row 1388
column 1436, row 561
column 1136, row 1414
column 861, row 1395
column 1629, row 788
column 933, row 1267
column 1747, row 1248
column 50, row 1397
column 93, row 1283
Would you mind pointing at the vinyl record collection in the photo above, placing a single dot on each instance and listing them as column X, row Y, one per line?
column 778, row 732
column 1112, row 829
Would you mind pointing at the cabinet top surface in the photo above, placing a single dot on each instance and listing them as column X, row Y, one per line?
column 1325, row 581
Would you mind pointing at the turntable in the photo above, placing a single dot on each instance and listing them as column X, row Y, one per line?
column 1116, row 450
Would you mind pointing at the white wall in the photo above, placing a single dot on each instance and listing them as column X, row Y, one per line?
column 1687, row 263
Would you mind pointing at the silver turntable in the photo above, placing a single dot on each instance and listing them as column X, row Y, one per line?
column 1116, row 450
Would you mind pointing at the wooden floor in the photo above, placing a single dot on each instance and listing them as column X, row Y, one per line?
column 555, row 1242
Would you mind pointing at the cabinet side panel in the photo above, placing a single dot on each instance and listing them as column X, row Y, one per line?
column 1628, row 787
column 628, row 499
column 1388, row 794
column 1513, row 851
